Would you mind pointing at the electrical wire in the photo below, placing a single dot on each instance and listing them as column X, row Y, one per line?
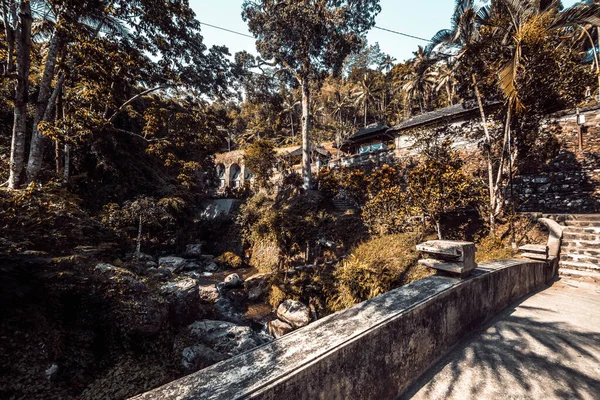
column 376, row 27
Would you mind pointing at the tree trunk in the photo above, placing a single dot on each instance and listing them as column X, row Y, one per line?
column 23, row 47
column 67, row 169
column 598, row 65
column 36, row 149
column 138, row 248
column 498, row 200
column 59, row 116
column 488, row 145
column 306, row 171
column 10, row 37
column 292, row 123
column 366, row 104
column 438, row 228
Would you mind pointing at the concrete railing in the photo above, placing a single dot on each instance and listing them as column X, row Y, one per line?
column 373, row 350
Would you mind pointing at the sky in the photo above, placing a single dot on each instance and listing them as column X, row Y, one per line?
column 422, row 18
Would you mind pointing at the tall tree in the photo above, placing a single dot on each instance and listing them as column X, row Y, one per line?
column 309, row 38
column 166, row 31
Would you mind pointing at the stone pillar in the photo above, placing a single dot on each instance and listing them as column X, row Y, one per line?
column 243, row 174
column 228, row 176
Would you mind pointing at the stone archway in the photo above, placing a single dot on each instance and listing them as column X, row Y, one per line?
column 221, row 175
column 235, row 176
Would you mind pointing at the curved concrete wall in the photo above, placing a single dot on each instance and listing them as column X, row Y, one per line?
column 374, row 350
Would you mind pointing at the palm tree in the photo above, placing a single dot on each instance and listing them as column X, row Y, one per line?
column 387, row 64
column 421, row 79
column 460, row 40
column 289, row 107
column 369, row 88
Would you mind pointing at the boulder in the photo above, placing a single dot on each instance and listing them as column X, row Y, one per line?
column 233, row 281
column 208, row 293
column 109, row 269
column 294, row 313
column 159, row 273
column 225, row 337
column 184, row 302
column 51, row 372
column 211, row 267
column 131, row 305
column 193, row 250
column 278, row 328
column 172, row 263
column 143, row 257
column 197, row 357
column 257, row 286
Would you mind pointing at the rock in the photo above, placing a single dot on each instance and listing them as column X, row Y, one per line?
column 190, row 266
column 130, row 304
column 257, row 285
column 37, row 253
column 225, row 337
column 112, row 270
column 161, row 273
column 183, row 299
column 211, row 267
column 294, row 313
column 208, row 293
column 278, row 328
column 151, row 264
column 193, row 250
column 51, row 372
column 172, row 263
column 143, row 257
column 233, row 281
column 197, row 357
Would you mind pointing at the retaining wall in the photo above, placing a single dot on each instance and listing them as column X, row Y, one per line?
column 374, row 350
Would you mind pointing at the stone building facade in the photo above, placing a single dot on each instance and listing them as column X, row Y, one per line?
column 570, row 182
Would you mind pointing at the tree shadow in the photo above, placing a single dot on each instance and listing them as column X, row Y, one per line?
column 526, row 350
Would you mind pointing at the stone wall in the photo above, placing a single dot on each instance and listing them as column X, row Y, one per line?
column 373, row 350
column 571, row 181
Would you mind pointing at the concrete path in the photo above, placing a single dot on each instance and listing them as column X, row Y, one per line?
column 544, row 347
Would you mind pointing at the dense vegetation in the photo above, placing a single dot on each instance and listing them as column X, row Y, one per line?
column 112, row 111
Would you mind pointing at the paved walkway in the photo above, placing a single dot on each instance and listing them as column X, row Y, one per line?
column 545, row 347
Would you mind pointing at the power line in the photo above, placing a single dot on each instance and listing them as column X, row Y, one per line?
column 227, row 30
column 402, row 34
column 376, row 27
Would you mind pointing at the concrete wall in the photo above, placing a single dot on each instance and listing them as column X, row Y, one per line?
column 374, row 350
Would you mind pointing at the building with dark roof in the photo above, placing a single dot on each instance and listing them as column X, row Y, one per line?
column 372, row 138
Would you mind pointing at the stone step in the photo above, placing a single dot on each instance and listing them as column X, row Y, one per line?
column 576, row 274
column 535, row 256
column 581, row 236
column 584, row 217
column 342, row 205
column 582, row 223
column 580, row 266
column 582, row 229
column 580, row 258
column 580, row 251
column 575, row 243
column 535, row 248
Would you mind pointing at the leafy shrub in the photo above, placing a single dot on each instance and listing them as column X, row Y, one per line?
column 375, row 267
column 230, row 260
column 260, row 158
column 278, row 229
column 388, row 212
column 265, row 255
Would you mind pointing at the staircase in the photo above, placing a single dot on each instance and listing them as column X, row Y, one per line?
column 343, row 205
column 580, row 247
